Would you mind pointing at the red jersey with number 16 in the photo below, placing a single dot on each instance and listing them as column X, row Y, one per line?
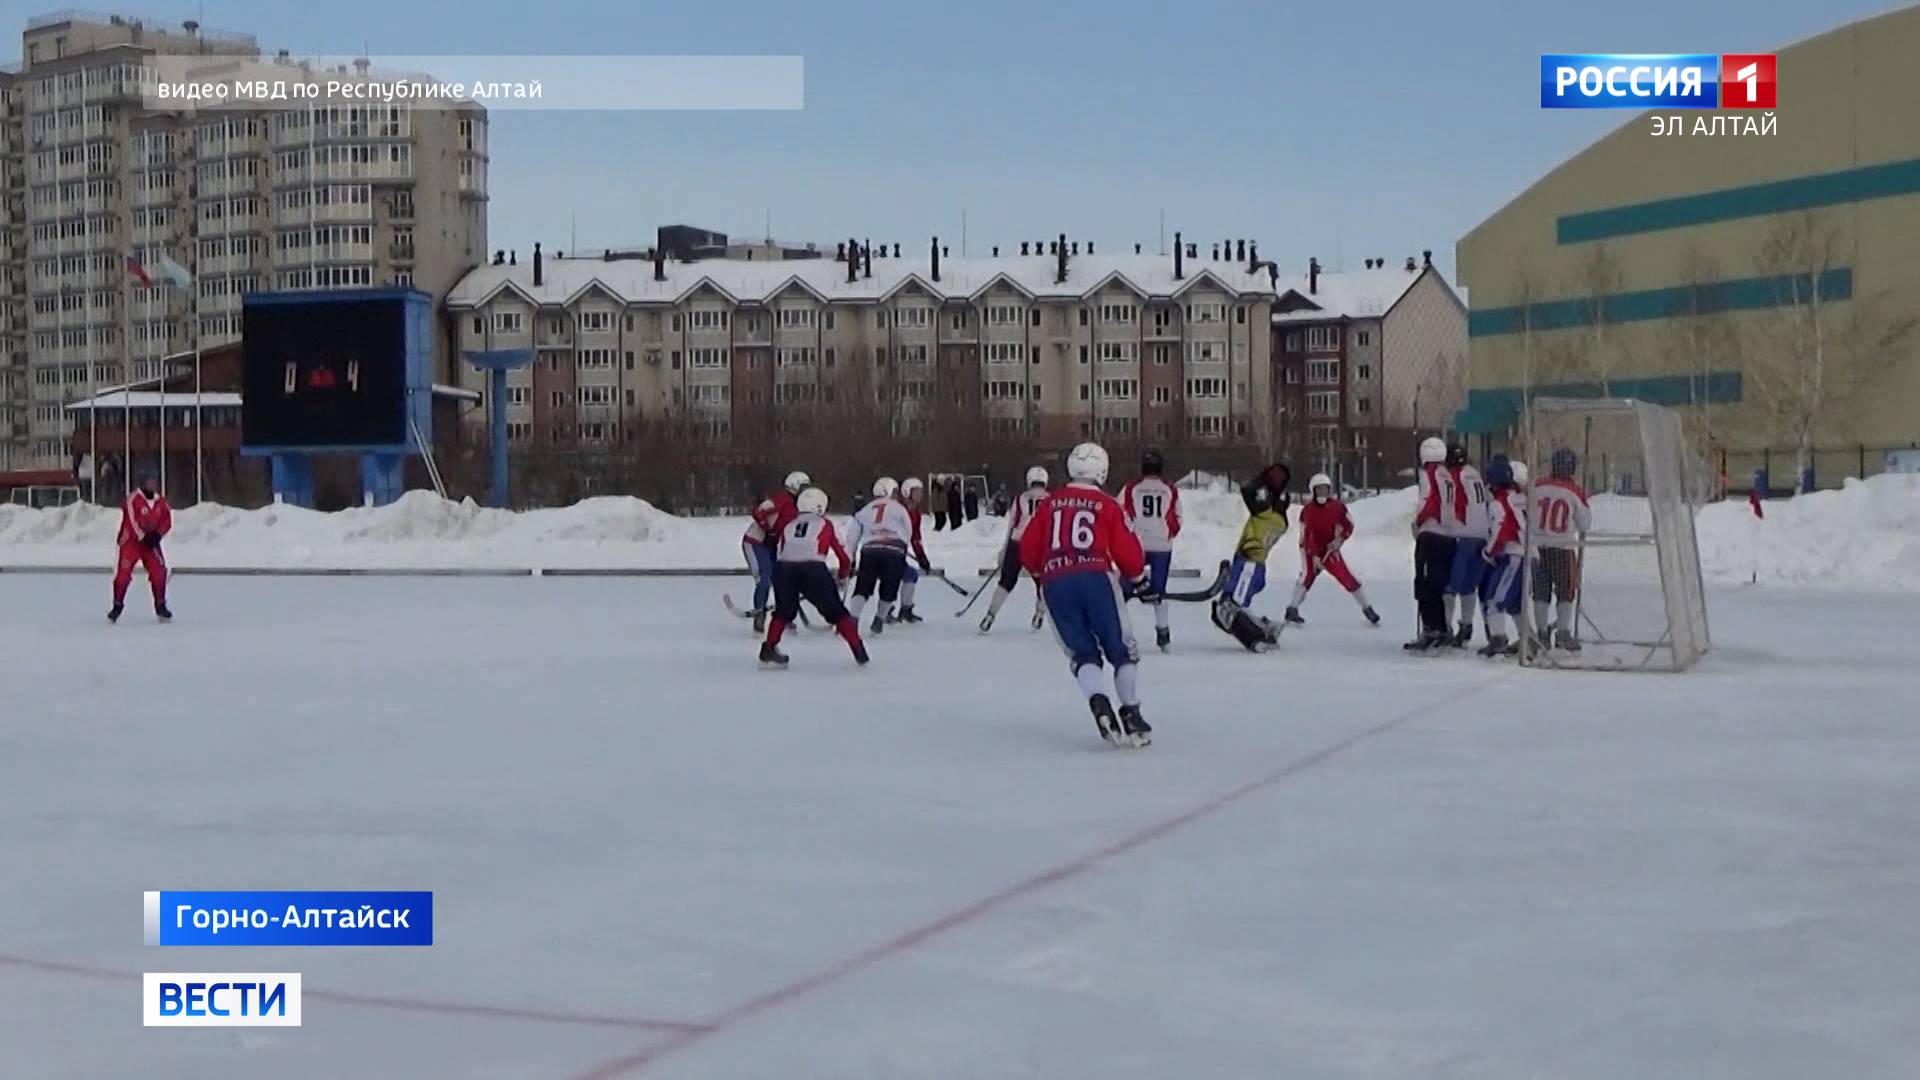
column 1076, row 529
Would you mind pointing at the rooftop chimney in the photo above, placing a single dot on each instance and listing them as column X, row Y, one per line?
column 996, row 251
column 1136, row 249
column 943, row 250
column 1253, row 256
column 536, row 264
column 1076, row 247
column 513, row 257
column 1216, row 253
column 896, row 250
column 1179, row 250
column 866, row 259
column 1060, row 275
column 190, row 27
column 1313, row 277
column 1193, row 251
column 1409, row 264
column 936, row 258
column 853, row 259
column 1023, row 247
column 500, row 257
column 1426, row 257
column 1089, row 247
column 659, row 263
column 1240, row 251
column 840, row 251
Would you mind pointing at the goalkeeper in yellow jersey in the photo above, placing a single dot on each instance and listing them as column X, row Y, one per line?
column 1266, row 499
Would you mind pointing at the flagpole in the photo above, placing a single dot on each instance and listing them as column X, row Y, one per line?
column 126, row 383
column 147, row 307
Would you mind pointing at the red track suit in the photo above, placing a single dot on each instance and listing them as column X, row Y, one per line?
column 770, row 516
column 1324, row 528
column 142, row 516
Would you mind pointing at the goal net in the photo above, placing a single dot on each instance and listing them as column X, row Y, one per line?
column 1613, row 578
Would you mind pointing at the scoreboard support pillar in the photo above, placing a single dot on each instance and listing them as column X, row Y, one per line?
column 383, row 478
column 293, row 479
column 496, row 363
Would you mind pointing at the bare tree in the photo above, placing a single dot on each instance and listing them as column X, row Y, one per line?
column 1595, row 352
column 1700, row 339
column 1821, row 345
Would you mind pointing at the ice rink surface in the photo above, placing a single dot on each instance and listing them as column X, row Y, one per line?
column 650, row 858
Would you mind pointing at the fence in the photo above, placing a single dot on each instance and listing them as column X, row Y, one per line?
column 1735, row 467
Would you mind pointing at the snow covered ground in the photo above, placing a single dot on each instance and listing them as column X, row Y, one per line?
column 1866, row 536
column 651, row 859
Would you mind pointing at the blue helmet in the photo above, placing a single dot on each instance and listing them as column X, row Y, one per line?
column 1499, row 472
column 1563, row 463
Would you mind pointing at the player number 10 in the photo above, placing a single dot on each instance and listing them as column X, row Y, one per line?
column 1079, row 531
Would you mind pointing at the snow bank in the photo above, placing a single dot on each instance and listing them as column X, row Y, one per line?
column 1865, row 535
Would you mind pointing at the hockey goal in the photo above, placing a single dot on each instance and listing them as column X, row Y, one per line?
column 1621, row 590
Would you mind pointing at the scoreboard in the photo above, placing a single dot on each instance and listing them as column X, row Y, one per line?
column 335, row 370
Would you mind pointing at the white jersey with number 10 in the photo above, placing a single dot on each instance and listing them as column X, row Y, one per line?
column 1022, row 512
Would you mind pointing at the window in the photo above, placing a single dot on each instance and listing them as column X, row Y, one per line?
column 1003, row 315
column 793, row 357
column 596, row 321
column 597, row 395
column 829, row 320
column 593, row 432
column 1118, row 313
column 1363, row 406
column 1323, row 338
column 1162, row 319
column 1162, row 395
column 1036, row 356
column 913, row 354
column 629, row 399
column 1363, row 338
column 1120, row 425
column 880, row 355
column 1162, row 355
column 1119, row 389
column 707, row 319
column 1004, row 390
column 479, row 324
column 1323, row 372
column 676, row 320
column 707, row 358
column 1083, row 316
column 1034, row 315
column 519, row 431
column 959, row 320
column 830, row 357
column 1207, row 313
column 1293, row 376
column 1206, row 427
column 797, row 318
column 788, row 393
column 1323, row 404
column 1359, row 439
column 1003, row 352
column 1320, row 438
column 1206, row 351
column 676, row 359
column 1364, row 371
column 1083, row 392
column 594, row 359
column 629, row 359
column 913, row 317
column 558, row 398
column 1117, row 352
column 1206, row 388
column 508, row 322
column 1240, row 316
column 1083, row 354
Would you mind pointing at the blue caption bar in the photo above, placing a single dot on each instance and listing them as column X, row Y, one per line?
column 332, row 918
column 1629, row 81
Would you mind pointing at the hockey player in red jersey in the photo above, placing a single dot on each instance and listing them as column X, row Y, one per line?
column 1505, row 556
column 1324, row 527
column 800, row 573
column 1080, row 548
column 1153, row 510
column 1019, row 516
column 145, row 520
column 758, row 544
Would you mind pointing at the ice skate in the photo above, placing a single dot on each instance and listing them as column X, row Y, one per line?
column 1163, row 638
column 1135, row 727
column 771, row 656
column 162, row 612
column 986, row 622
column 1293, row 616
column 113, row 614
column 1106, row 721
column 1496, row 646
column 1373, row 617
column 759, row 620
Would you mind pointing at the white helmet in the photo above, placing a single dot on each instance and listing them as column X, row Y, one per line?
column 1036, row 477
column 1088, row 462
column 811, row 501
column 1433, row 451
column 1519, row 475
column 911, row 487
column 884, row 488
column 1320, row 480
column 797, row 480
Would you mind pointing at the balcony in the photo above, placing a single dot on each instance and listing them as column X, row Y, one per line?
column 401, row 251
column 293, row 217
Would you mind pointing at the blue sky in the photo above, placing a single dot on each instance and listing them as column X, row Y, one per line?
column 1338, row 130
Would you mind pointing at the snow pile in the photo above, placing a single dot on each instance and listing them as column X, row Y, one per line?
column 1865, row 535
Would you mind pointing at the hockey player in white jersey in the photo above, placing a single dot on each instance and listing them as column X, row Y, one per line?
column 1505, row 557
column 800, row 573
column 1018, row 517
column 888, row 534
column 1152, row 507
column 1466, row 522
column 1559, row 518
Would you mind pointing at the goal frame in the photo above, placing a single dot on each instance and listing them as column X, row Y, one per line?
column 1671, row 505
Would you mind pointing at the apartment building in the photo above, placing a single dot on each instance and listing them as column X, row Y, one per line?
column 1049, row 347
column 14, row 406
column 1367, row 361
column 310, row 194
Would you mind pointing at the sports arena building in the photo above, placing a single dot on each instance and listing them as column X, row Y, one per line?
column 1760, row 269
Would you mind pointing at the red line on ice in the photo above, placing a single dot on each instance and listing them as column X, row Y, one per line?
column 774, row 999
column 369, row 1001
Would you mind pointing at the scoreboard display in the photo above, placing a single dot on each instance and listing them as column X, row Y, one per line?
column 335, row 370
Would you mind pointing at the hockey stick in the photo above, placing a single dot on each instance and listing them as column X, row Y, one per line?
column 977, row 593
column 945, row 580
column 1201, row 595
column 739, row 612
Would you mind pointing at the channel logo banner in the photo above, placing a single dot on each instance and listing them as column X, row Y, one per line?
column 220, row 999
column 1630, row 81
column 321, row 919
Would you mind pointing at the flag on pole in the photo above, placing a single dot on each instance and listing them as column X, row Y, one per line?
column 164, row 268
